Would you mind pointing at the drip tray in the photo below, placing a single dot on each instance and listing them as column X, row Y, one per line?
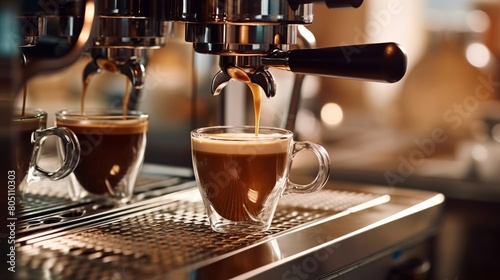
column 167, row 235
column 48, row 211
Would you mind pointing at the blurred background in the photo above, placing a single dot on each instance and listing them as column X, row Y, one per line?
column 437, row 129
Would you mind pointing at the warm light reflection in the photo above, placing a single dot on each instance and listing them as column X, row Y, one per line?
column 331, row 114
column 495, row 132
column 253, row 195
column 478, row 21
column 479, row 152
column 115, row 170
column 478, row 55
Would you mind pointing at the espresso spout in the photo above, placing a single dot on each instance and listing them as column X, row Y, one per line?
column 261, row 77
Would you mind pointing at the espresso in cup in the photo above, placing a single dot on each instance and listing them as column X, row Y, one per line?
column 112, row 151
column 241, row 175
column 23, row 128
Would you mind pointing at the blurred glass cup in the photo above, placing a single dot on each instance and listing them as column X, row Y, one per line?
column 112, row 152
column 241, row 176
column 30, row 133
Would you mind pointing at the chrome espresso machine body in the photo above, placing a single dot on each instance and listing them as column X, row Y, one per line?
column 342, row 232
column 248, row 36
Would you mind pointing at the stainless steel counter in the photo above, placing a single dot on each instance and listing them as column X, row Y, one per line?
column 164, row 234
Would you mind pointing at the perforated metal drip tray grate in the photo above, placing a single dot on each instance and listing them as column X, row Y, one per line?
column 47, row 207
column 165, row 238
column 164, row 233
column 50, row 196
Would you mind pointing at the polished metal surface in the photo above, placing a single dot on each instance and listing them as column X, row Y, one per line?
column 125, row 32
column 168, row 237
column 33, row 27
column 48, row 206
column 261, row 76
column 225, row 39
column 44, row 65
column 240, row 11
column 130, row 32
column 244, row 23
column 133, row 24
column 241, row 32
column 129, row 62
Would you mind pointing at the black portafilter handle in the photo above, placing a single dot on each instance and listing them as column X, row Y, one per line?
column 332, row 4
column 379, row 62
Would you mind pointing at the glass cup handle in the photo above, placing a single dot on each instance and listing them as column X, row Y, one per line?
column 70, row 145
column 323, row 172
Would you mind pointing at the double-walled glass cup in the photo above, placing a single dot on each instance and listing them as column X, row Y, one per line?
column 30, row 131
column 241, row 175
column 112, row 152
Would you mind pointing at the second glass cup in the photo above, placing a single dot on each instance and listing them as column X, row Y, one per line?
column 241, row 176
column 30, row 131
column 112, row 152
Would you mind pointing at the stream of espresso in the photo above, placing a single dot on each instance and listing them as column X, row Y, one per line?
column 25, row 93
column 126, row 97
column 257, row 100
column 84, row 92
column 241, row 76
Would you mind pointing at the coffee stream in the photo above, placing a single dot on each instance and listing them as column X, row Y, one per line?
column 125, row 101
column 84, row 93
column 25, row 93
column 240, row 75
column 255, row 88
column 126, row 97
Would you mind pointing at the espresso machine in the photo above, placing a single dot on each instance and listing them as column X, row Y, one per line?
column 63, row 239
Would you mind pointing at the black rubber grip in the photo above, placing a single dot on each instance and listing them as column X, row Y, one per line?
column 332, row 4
column 379, row 62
